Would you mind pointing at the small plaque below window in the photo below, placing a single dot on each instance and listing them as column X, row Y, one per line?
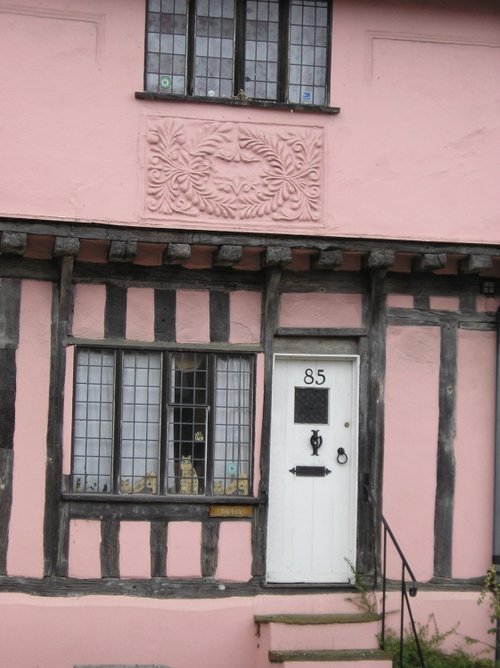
column 311, row 405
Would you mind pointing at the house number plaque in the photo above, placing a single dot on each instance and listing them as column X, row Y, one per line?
column 230, row 511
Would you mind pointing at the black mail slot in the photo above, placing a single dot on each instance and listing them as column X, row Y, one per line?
column 310, row 471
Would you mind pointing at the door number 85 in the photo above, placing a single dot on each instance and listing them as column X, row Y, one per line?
column 309, row 378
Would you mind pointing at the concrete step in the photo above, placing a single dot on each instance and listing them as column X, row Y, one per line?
column 343, row 631
column 325, row 658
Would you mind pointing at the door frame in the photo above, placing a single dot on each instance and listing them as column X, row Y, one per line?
column 355, row 359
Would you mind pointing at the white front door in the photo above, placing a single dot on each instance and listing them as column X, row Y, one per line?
column 313, row 469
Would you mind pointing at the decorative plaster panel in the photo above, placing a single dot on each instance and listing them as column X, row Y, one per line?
column 213, row 170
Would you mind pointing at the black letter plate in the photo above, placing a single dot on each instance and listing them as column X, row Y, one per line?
column 310, row 471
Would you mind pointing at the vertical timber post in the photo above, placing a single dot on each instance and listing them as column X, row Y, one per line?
column 270, row 309
column 377, row 321
column 55, row 530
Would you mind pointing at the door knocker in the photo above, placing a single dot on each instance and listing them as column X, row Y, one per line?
column 342, row 457
column 316, row 442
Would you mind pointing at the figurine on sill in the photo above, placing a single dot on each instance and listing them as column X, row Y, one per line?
column 234, row 486
column 189, row 478
column 148, row 484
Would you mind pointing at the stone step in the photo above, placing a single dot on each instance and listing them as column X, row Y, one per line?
column 324, row 658
column 342, row 631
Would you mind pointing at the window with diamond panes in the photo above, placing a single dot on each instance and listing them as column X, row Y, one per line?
column 151, row 422
column 262, row 49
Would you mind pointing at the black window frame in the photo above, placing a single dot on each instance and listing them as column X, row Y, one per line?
column 239, row 98
column 166, row 405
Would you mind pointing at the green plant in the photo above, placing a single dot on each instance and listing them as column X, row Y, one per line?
column 431, row 643
column 365, row 598
column 491, row 592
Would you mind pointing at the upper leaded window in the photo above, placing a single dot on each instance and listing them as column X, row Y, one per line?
column 151, row 422
column 265, row 49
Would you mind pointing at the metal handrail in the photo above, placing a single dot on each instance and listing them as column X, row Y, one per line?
column 406, row 591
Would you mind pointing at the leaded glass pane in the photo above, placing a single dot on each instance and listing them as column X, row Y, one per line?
column 214, row 38
column 261, row 48
column 140, row 412
column 166, row 36
column 93, row 421
column 233, row 415
column 307, row 52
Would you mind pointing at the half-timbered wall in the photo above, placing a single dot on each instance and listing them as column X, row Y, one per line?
column 427, row 350
column 427, row 347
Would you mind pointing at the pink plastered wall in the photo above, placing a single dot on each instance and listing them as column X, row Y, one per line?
column 320, row 310
column 88, row 311
column 182, row 633
column 84, row 559
column 444, row 303
column 135, row 551
column 411, row 429
column 245, row 316
column 474, row 453
column 25, row 549
column 192, row 316
column 184, row 549
column 400, row 301
column 416, row 80
column 140, row 314
column 235, row 551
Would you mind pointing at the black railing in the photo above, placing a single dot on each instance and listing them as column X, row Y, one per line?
column 407, row 590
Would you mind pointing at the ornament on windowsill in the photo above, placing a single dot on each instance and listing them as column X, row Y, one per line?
column 148, row 484
column 189, row 478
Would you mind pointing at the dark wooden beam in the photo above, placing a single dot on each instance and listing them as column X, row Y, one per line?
column 338, row 332
column 429, row 262
column 276, row 257
column 209, row 548
column 158, row 547
column 115, row 311
column 177, row 254
column 7, row 397
column 13, row 243
column 209, row 238
column 147, row 511
column 445, row 484
column 165, row 310
column 62, row 306
column 380, row 258
column 110, row 548
column 10, row 300
column 219, row 315
column 270, row 319
column 6, row 469
column 474, row 264
column 66, row 246
column 376, row 316
column 122, row 251
column 330, row 258
column 228, row 255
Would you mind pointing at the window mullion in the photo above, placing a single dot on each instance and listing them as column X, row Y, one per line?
column 239, row 46
column 210, row 438
column 164, row 405
column 190, row 47
column 117, row 427
column 284, row 38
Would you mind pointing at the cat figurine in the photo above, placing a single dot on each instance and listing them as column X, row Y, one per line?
column 189, row 479
column 238, row 485
column 147, row 484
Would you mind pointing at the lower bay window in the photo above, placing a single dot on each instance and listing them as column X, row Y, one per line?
column 162, row 423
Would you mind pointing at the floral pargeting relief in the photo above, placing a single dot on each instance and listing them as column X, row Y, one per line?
column 209, row 169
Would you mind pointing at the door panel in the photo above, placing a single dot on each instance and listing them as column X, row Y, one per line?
column 312, row 486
